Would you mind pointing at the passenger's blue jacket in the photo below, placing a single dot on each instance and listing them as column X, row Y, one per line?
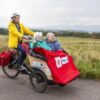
column 55, row 45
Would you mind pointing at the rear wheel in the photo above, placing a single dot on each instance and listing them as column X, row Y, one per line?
column 11, row 70
column 39, row 81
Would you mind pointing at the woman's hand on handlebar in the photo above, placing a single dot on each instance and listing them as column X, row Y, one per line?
column 25, row 39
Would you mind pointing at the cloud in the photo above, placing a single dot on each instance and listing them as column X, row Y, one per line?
column 45, row 13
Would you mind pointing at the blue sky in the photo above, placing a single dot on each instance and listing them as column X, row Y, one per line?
column 53, row 14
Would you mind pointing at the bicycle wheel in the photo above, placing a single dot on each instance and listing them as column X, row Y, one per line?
column 39, row 81
column 11, row 70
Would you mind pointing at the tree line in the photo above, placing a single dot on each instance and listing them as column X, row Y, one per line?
column 95, row 35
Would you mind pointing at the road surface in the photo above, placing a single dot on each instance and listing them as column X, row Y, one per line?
column 20, row 89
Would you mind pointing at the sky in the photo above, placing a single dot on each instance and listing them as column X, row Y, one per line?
column 53, row 14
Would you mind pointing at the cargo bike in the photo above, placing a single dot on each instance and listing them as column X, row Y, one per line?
column 46, row 68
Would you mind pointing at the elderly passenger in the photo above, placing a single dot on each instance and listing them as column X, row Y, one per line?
column 52, row 42
column 38, row 42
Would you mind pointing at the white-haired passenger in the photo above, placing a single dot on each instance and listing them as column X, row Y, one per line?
column 52, row 42
column 39, row 42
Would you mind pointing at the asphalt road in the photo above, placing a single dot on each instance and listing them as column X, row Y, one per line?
column 21, row 89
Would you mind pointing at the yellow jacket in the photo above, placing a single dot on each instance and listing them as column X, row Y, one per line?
column 14, row 35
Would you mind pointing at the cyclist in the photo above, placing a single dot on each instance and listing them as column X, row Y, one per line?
column 16, row 32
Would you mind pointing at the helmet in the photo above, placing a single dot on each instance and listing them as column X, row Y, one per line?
column 14, row 15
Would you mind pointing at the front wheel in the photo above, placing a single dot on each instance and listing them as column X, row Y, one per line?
column 39, row 81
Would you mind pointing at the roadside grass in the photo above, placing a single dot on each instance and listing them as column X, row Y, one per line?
column 86, row 54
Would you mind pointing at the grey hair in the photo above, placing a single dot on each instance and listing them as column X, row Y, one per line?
column 38, row 34
column 48, row 34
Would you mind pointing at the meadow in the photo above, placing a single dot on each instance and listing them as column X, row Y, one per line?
column 85, row 52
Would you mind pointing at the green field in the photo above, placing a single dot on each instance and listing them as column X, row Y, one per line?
column 86, row 54
column 85, row 51
column 3, row 42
